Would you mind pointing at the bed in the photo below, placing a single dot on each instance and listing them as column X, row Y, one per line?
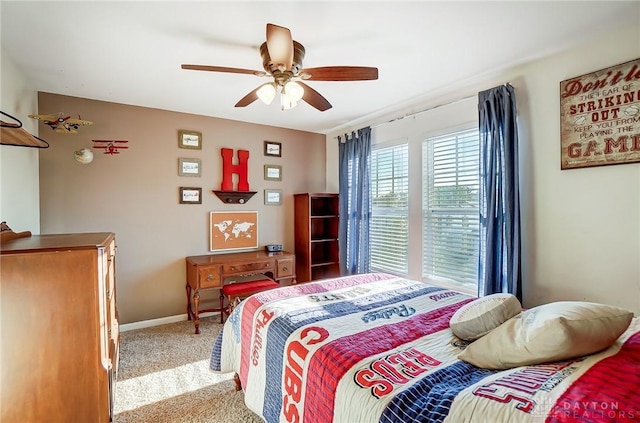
column 379, row 348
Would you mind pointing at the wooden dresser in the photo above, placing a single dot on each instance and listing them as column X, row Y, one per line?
column 59, row 328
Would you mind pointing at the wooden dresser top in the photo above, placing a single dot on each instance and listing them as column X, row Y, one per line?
column 249, row 256
column 56, row 242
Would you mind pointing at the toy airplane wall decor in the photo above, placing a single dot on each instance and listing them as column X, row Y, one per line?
column 61, row 123
column 110, row 146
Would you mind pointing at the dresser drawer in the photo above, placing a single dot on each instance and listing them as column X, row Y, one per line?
column 247, row 267
column 285, row 267
column 209, row 276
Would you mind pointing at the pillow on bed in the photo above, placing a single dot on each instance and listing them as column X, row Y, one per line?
column 550, row 332
column 475, row 319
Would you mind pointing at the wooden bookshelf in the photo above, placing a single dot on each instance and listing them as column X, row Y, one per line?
column 316, row 236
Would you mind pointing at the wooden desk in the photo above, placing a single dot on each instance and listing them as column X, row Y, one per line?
column 210, row 271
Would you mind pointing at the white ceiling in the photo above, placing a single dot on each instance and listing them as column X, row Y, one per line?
column 131, row 52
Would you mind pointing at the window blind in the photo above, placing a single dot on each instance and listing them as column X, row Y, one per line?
column 451, row 230
column 389, row 229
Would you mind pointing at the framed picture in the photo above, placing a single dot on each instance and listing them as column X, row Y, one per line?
column 188, row 167
column 272, row 173
column 190, row 195
column 273, row 149
column 272, row 197
column 233, row 230
column 599, row 112
column 190, row 139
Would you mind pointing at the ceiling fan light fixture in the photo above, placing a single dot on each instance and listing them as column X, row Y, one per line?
column 294, row 90
column 282, row 58
column 267, row 92
column 286, row 102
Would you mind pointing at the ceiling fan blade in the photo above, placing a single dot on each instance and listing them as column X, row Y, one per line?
column 314, row 98
column 280, row 46
column 223, row 69
column 248, row 99
column 340, row 73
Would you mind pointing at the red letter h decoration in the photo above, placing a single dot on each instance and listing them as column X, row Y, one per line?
column 228, row 169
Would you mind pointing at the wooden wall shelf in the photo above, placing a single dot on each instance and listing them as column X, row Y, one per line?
column 11, row 134
column 234, row 197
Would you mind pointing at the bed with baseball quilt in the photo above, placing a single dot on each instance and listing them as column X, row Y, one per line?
column 380, row 348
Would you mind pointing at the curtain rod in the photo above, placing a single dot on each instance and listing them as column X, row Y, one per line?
column 419, row 112
column 424, row 110
column 431, row 108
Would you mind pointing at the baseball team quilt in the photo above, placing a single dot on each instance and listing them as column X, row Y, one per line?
column 379, row 348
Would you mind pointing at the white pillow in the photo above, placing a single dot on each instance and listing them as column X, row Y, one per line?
column 475, row 319
column 550, row 332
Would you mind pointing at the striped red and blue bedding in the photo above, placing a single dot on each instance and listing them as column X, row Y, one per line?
column 378, row 348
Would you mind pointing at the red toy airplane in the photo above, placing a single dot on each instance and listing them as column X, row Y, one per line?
column 110, row 146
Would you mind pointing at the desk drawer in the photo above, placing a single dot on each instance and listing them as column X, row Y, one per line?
column 209, row 276
column 285, row 267
column 247, row 267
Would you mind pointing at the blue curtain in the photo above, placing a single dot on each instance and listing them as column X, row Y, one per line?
column 355, row 201
column 499, row 269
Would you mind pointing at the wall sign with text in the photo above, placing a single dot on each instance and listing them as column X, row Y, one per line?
column 600, row 117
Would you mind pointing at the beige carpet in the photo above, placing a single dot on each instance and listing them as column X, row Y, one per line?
column 164, row 377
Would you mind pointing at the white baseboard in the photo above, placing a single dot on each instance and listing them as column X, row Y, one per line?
column 161, row 321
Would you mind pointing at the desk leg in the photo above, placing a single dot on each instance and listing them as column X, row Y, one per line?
column 196, row 304
column 236, row 379
column 222, row 309
column 189, row 312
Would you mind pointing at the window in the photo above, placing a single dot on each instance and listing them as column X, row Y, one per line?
column 389, row 228
column 450, row 208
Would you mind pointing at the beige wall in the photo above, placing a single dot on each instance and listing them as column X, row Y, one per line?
column 580, row 228
column 135, row 193
column 19, row 191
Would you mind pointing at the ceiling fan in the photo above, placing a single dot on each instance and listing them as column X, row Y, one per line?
column 282, row 60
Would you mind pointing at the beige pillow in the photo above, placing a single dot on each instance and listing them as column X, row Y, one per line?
column 475, row 319
column 550, row 332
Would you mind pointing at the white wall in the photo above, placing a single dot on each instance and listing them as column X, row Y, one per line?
column 19, row 174
column 580, row 228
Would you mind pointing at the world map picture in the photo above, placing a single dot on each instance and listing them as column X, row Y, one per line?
column 233, row 230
